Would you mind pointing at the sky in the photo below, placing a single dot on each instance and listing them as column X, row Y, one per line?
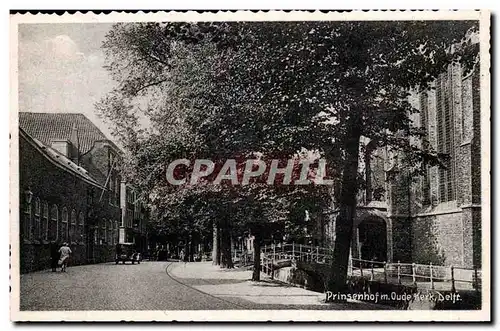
column 61, row 69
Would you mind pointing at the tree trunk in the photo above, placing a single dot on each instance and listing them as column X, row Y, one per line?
column 216, row 244
column 191, row 249
column 256, row 258
column 226, row 258
column 337, row 282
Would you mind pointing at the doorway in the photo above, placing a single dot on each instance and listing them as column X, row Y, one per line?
column 373, row 239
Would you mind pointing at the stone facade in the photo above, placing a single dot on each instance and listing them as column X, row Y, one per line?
column 435, row 217
column 446, row 226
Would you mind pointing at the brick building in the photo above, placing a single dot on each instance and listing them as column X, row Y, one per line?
column 70, row 170
column 435, row 217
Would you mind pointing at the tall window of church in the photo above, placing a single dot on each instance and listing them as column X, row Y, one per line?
column 64, row 225
column 54, row 223
column 45, row 221
column 36, row 227
column 476, row 98
column 81, row 230
column 424, row 123
column 374, row 174
column 444, row 100
column 72, row 227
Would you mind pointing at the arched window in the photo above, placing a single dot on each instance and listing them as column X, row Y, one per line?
column 72, row 227
column 36, row 220
column 45, row 221
column 64, row 225
column 26, row 221
column 80, row 232
column 54, row 223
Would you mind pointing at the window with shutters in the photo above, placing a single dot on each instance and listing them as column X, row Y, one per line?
column 424, row 123
column 64, row 225
column 445, row 137
column 72, row 227
column 81, row 230
column 45, row 221
column 54, row 223
column 37, row 220
column 26, row 226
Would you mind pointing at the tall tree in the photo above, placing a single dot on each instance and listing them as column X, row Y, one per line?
column 281, row 87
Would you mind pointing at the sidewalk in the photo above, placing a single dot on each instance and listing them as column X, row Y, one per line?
column 236, row 283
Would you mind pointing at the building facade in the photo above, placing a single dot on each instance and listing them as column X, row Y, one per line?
column 135, row 216
column 71, row 170
column 434, row 217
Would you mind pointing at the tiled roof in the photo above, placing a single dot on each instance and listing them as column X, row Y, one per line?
column 59, row 159
column 47, row 127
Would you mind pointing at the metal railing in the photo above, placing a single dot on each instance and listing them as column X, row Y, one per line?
column 433, row 276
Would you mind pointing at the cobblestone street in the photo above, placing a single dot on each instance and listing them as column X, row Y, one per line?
column 163, row 286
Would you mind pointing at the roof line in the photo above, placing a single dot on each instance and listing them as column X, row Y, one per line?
column 57, row 164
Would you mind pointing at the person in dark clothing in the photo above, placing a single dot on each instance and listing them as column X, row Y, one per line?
column 54, row 255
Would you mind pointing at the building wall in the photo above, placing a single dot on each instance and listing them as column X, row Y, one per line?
column 448, row 231
column 53, row 186
column 423, row 224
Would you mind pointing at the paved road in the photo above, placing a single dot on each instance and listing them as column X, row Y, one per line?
column 113, row 287
column 148, row 286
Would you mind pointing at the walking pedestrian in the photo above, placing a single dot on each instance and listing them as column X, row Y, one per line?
column 54, row 255
column 65, row 252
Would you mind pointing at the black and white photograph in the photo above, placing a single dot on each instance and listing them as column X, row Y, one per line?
column 244, row 166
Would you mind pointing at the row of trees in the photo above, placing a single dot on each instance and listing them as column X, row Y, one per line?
column 270, row 90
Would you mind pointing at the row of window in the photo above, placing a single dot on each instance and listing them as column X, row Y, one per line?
column 40, row 223
column 447, row 135
column 106, row 233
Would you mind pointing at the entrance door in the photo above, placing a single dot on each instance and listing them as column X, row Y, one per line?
column 373, row 240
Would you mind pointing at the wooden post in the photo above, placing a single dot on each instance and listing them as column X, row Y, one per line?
column 293, row 251
column 413, row 273
column 385, row 272
column 372, row 275
column 274, row 252
column 430, row 271
column 452, row 279
column 300, row 252
column 399, row 272
column 361, row 268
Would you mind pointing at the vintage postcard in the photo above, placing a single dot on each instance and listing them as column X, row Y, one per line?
column 244, row 166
